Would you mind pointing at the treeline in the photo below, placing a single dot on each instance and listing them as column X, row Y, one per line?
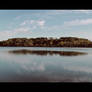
column 47, row 42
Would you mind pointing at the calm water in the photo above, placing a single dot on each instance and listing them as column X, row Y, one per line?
column 29, row 64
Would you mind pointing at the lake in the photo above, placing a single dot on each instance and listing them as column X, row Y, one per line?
column 44, row 64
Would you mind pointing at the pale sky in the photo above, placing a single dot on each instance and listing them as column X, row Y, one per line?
column 45, row 23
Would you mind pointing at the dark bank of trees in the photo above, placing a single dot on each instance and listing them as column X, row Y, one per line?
column 47, row 42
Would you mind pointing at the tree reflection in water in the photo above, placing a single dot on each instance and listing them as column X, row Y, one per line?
column 45, row 52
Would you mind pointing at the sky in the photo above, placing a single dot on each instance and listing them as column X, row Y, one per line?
column 45, row 23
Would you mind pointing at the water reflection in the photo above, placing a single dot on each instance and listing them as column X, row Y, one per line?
column 45, row 52
column 28, row 65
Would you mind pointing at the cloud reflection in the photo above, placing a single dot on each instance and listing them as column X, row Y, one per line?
column 31, row 65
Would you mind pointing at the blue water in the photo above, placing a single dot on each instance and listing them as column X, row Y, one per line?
column 45, row 68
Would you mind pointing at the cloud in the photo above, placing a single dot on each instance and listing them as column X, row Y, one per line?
column 71, row 11
column 24, row 23
column 82, row 11
column 78, row 22
column 19, row 30
column 41, row 23
column 61, row 12
column 17, row 18
column 4, row 35
column 24, row 28
column 33, row 23
column 37, row 22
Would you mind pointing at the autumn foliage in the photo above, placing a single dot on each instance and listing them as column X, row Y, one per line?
column 47, row 42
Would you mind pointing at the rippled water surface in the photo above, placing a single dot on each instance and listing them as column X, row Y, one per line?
column 36, row 64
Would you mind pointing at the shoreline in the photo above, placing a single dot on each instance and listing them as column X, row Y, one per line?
column 43, row 47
